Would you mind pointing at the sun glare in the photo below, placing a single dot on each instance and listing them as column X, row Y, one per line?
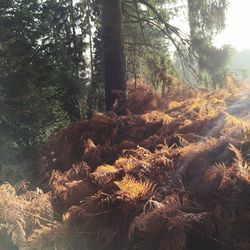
column 237, row 21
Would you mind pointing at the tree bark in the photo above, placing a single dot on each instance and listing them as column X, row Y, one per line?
column 114, row 58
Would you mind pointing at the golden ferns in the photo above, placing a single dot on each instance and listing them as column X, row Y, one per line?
column 133, row 189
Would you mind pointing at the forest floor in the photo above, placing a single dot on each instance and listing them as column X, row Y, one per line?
column 173, row 174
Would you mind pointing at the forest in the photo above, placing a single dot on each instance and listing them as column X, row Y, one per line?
column 123, row 126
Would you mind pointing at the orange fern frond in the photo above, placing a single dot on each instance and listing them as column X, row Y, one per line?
column 133, row 189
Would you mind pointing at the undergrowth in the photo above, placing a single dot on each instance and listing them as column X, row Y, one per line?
column 172, row 176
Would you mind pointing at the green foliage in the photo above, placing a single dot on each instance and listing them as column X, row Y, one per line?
column 214, row 63
column 51, row 66
column 146, row 46
column 206, row 19
column 95, row 98
column 40, row 68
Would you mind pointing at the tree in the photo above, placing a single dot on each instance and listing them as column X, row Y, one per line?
column 114, row 58
column 95, row 89
column 46, row 46
column 146, row 46
column 206, row 19
column 64, row 27
column 40, row 68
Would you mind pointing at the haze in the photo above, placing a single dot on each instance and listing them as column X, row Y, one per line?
column 237, row 21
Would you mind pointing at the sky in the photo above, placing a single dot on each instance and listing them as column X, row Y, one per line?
column 236, row 32
column 237, row 26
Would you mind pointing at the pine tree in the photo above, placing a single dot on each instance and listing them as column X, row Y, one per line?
column 114, row 58
column 206, row 19
column 31, row 108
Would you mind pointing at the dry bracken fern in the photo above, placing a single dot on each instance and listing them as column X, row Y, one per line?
column 133, row 189
column 21, row 215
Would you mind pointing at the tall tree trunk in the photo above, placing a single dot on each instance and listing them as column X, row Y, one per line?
column 114, row 58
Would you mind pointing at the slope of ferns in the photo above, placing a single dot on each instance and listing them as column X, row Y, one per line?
column 175, row 176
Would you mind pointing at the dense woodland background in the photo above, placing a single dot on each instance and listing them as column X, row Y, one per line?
column 51, row 60
column 120, row 131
